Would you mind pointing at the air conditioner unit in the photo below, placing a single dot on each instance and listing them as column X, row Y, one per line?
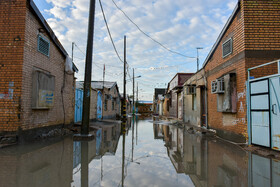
column 220, row 86
column 191, row 90
column 214, row 87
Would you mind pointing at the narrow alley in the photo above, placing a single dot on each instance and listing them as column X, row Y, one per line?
column 155, row 154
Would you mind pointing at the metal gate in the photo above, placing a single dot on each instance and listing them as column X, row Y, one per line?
column 78, row 105
column 99, row 105
column 264, row 109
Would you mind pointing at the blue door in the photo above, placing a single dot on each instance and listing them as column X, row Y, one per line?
column 79, row 105
column 99, row 105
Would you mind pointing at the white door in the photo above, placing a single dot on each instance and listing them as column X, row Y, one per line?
column 274, row 91
column 260, row 113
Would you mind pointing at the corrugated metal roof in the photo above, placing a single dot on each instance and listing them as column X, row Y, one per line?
column 96, row 84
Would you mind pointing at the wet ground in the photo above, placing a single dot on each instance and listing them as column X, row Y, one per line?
column 148, row 154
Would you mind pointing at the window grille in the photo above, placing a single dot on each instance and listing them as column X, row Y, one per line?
column 227, row 47
column 43, row 45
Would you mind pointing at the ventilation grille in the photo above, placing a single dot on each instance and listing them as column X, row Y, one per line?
column 43, row 46
column 227, row 47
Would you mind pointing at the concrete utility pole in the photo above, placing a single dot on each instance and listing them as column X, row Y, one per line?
column 133, row 104
column 197, row 57
column 124, row 84
column 137, row 99
column 88, row 70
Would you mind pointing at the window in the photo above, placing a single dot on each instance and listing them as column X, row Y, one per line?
column 227, row 101
column 43, row 45
column 105, row 104
column 113, row 105
column 194, row 102
column 191, row 90
column 227, row 47
column 43, row 86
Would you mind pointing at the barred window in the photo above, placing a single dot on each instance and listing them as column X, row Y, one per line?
column 227, row 47
column 43, row 45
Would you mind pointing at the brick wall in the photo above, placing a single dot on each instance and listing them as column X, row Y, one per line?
column 12, row 37
column 255, row 31
column 217, row 66
column 54, row 64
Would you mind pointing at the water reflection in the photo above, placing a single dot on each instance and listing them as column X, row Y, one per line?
column 210, row 162
column 41, row 164
column 137, row 153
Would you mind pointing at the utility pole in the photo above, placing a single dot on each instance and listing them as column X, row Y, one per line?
column 133, row 104
column 197, row 57
column 88, row 70
column 72, row 52
column 103, row 94
column 124, row 84
column 137, row 99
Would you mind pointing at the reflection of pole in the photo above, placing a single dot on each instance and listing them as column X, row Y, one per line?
column 84, row 164
column 88, row 70
column 123, row 153
column 132, row 137
column 101, row 169
column 136, row 129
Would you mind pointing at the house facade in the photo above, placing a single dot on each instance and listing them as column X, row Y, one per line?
column 158, row 100
column 195, row 100
column 250, row 37
column 173, row 103
column 105, row 100
column 37, row 76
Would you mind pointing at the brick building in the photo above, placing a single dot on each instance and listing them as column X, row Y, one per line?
column 35, row 89
column 105, row 99
column 174, row 100
column 250, row 37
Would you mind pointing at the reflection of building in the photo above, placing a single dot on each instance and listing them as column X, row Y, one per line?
column 37, row 165
column 206, row 161
column 105, row 143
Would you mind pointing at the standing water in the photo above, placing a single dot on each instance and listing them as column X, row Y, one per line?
column 153, row 155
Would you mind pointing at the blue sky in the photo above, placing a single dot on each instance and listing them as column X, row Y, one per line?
column 180, row 25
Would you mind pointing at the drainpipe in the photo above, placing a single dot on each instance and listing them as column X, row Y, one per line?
column 206, row 99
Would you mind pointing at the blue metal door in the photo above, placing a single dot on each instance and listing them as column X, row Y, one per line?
column 99, row 105
column 79, row 105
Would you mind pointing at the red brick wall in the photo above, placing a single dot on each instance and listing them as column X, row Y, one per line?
column 12, row 36
column 231, row 122
column 255, row 30
column 262, row 24
column 54, row 64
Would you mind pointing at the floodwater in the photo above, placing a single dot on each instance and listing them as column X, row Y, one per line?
column 154, row 155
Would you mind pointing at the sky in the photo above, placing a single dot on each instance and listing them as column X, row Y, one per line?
column 181, row 26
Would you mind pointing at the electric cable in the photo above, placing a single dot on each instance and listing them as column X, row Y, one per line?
column 109, row 32
column 174, row 52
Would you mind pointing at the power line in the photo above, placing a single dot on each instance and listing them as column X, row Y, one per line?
column 106, row 23
column 147, row 34
column 79, row 49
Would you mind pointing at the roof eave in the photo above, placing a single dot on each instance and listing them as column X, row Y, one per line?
column 236, row 9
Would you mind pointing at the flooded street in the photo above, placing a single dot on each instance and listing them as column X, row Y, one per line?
column 154, row 155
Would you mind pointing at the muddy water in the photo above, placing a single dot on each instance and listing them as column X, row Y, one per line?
column 153, row 155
